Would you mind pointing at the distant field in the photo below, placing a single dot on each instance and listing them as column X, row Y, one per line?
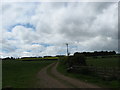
column 50, row 58
column 103, row 62
column 21, row 74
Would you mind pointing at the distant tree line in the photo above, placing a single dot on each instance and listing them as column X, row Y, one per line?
column 30, row 57
column 9, row 58
column 95, row 53
column 98, row 53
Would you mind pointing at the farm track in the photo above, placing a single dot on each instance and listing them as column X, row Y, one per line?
column 46, row 81
column 49, row 77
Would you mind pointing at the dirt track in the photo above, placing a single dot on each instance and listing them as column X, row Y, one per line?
column 54, row 79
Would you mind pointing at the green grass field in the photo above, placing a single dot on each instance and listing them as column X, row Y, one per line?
column 21, row 74
column 98, row 62
column 103, row 62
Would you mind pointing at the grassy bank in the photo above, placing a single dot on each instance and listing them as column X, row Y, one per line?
column 102, row 62
column 21, row 74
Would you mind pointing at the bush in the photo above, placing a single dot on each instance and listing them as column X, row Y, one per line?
column 76, row 60
column 79, row 59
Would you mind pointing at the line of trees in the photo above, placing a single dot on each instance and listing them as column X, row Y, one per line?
column 98, row 53
column 9, row 58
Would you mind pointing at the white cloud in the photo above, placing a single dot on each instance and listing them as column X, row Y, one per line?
column 85, row 26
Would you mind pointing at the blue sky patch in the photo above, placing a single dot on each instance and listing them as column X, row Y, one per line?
column 11, row 39
column 27, row 25
column 43, row 44
column 46, row 45
column 29, row 50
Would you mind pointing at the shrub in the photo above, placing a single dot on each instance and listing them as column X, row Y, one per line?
column 76, row 60
column 79, row 59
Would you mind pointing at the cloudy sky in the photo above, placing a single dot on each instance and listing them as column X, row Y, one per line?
column 43, row 28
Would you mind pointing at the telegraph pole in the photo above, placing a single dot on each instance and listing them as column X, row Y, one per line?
column 67, row 49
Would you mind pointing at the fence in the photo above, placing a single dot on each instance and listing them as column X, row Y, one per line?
column 107, row 73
